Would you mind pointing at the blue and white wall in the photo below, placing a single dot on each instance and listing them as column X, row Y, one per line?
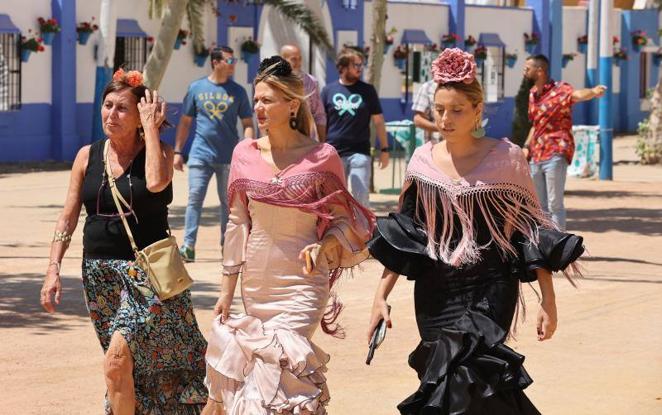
column 55, row 119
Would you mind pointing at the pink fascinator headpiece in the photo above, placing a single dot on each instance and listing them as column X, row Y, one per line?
column 454, row 65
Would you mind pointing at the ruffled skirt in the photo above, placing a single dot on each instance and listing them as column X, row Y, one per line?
column 257, row 370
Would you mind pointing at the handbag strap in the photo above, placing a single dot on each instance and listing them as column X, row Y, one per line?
column 117, row 197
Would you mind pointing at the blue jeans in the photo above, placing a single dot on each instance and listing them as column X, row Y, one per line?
column 549, row 180
column 199, row 175
column 357, row 173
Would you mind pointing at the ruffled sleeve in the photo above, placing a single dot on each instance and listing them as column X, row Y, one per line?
column 554, row 251
column 399, row 242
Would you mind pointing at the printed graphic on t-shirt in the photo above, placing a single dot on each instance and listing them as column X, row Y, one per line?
column 215, row 104
column 344, row 104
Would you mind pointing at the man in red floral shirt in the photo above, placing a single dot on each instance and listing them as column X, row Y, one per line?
column 550, row 144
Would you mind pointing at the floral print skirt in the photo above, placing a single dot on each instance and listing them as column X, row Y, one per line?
column 166, row 344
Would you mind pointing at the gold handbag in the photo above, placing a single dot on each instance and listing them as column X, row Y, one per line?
column 161, row 260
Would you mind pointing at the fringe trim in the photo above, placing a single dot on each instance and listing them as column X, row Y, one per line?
column 505, row 207
column 311, row 192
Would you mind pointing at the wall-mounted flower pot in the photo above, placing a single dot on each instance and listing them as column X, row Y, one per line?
column 400, row 63
column 247, row 56
column 25, row 55
column 387, row 47
column 564, row 61
column 447, row 45
column 48, row 37
column 582, row 47
column 83, row 37
column 479, row 61
column 530, row 47
column 510, row 61
column 469, row 48
column 200, row 60
column 178, row 43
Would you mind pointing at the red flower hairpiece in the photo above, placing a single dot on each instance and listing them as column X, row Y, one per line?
column 454, row 65
column 133, row 78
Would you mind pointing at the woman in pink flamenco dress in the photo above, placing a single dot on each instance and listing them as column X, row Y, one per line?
column 289, row 204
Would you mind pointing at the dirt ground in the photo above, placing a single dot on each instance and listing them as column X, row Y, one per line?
column 604, row 359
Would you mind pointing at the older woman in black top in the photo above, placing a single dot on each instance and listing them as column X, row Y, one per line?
column 154, row 351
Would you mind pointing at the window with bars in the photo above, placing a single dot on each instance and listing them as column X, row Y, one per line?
column 130, row 53
column 10, row 72
column 491, row 74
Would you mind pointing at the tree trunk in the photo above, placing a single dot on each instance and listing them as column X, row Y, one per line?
column 157, row 62
column 376, row 60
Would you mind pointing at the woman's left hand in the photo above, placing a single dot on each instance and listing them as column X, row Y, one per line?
column 152, row 112
column 547, row 320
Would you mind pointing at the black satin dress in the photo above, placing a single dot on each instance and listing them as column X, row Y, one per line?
column 464, row 314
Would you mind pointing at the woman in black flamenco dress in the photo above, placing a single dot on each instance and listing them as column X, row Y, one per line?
column 469, row 231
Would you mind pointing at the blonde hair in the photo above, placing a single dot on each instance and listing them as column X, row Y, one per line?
column 473, row 91
column 291, row 86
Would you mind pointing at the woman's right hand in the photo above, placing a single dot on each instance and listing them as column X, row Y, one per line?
column 52, row 288
column 379, row 311
column 223, row 305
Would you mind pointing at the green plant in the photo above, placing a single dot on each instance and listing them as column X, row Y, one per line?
column 250, row 46
column 480, row 52
column 48, row 25
column 87, row 27
column 32, row 43
column 521, row 122
column 400, row 52
column 531, row 39
column 470, row 41
column 649, row 153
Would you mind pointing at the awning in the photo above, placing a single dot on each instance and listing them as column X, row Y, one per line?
column 129, row 28
column 490, row 39
column 6, row 25
column 411, row 36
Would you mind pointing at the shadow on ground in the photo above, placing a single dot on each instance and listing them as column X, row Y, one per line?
column 641, row 221
column 608, row 194
column 20, row 307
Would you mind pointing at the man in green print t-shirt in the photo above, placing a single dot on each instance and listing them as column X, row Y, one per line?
column 216, row 102
column 350, row 105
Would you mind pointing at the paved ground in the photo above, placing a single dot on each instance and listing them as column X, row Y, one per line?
column 605, row 358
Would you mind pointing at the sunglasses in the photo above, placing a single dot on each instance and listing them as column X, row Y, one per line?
column 230, row 61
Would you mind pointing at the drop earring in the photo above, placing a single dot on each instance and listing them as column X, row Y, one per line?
column 293, row 121
column 479, row 131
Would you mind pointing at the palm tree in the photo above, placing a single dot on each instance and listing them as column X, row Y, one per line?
column 172, row 14
column 649, row 145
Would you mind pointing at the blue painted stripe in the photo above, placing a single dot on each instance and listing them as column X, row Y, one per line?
column 606, row 120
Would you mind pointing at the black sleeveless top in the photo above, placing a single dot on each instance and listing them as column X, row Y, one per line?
column 104, row 236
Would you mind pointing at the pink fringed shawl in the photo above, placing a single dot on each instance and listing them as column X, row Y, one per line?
column 313, row 184
column 500, row 187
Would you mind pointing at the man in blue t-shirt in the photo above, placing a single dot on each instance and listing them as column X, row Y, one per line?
column 216, row 102
column 350, row 106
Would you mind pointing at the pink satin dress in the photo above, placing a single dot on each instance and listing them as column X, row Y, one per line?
column 263, row 362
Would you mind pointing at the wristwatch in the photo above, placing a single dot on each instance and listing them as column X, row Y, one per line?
column 386, row 149
column 177, row 152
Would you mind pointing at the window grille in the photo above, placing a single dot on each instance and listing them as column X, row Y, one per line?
column 130, row 53
column 491, row 74
column 644, row 74
column 10, row 72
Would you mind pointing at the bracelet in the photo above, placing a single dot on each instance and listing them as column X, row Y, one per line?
column 57, row 265
column 61, row 236
column 179, row 153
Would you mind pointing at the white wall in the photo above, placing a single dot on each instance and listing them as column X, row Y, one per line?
column 36, row 76
column 431, row 18
column 616, row 30
column 510, row 25
column 181, row 69
column 574, row 25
